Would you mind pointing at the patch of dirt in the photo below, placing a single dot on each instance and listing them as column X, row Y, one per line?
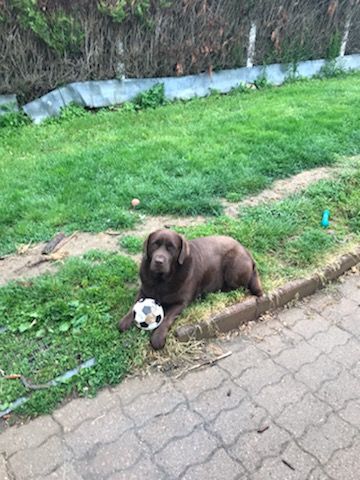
column 149, row 224
column 29, row 262
column 280, row 189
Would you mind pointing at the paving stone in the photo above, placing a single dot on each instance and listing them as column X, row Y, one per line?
column 158, row 402
column 275, row 398
column 113, row 457
column 345, row 463
column 351, row 413
column 265, row 373
column 298, row 416
column 197, row 382
column 162, row 429
column 336, row 312
column 318, row 474
column 220, row 464
column 80, row 409
column 340, row 390
column 327, row 341
column 133, row 387
column 356, row 370
column 251, row 356
column 33, row 463
column 310, row 324
column 232, row 423
column 104, row 429
column 211, row 402
column 265, row 327
column 323, row 440
column 278, row 341
column 65, row 472
column 290, row 316
column 252, row 447
column 351, row 288
column 274, row 469
column 144, row 469
column 28, row 436
column 315, row 373
column 346, row 354
column 3, row 470
column 351, row 323
column 182, row 453
column 325, row 299
column 298, row 459
column 296, row 357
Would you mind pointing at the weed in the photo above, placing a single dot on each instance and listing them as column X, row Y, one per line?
column 152, row 98
column 262, row 80
column 132, row 244
column 331, row 68
column 13, row 119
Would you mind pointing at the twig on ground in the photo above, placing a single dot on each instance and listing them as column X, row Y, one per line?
column 53, row 257
column 287, row 464
column 65, row 241
column 50, row 246
column 202, row 364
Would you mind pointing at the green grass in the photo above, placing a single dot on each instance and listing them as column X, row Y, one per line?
column 81, row 173
column 286, row 238
column 132, row 244
column 56, row 322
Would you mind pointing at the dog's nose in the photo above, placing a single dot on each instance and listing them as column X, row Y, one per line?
column 159, row 260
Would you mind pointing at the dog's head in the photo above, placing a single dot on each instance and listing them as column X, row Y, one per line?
column 164, row 250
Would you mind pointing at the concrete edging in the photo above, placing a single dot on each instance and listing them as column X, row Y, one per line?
column 250, row 309
column 104, row 93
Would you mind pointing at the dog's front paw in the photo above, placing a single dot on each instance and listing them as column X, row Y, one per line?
column 125, row 323
column 158, row 339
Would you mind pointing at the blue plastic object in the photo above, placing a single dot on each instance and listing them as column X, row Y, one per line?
column 325, row 218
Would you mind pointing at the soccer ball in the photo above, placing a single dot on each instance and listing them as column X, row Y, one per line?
column 148, row 314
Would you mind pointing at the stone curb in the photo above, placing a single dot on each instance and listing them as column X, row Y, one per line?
column 249, row 310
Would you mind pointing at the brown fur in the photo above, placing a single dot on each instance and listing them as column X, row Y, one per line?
column 175, row 272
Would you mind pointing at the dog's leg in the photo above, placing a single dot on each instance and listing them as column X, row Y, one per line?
column 126, row 321
column 158, row 338
column 255, row 284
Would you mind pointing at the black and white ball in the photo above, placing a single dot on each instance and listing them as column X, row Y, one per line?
column 148, row 314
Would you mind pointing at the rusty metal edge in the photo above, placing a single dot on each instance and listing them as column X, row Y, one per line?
column 250, row 309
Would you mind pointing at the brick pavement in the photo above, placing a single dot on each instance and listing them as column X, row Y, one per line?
column 284, row 406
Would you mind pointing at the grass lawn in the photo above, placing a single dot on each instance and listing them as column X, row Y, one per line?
column 182, row 158
column 56, row 322
column 81, row 173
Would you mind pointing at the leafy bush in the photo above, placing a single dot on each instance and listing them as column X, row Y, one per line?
column 151, row 98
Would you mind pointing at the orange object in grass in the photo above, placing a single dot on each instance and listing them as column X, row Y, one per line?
column 135, row 202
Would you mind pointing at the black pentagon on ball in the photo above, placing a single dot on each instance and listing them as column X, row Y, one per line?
column 143, row 325
column 134, row 314
column 158, row 303
column 158, row 319
column 146, row 310
column 141, row 300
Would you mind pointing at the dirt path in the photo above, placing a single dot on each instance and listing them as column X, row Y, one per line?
column 30, row 262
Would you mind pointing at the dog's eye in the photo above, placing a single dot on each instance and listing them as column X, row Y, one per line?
column 170, row 247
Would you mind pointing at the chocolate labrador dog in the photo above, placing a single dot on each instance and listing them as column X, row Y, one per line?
column 175, row 272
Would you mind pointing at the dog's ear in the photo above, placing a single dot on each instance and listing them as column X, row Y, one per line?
column 146, row 247
column 184, row 250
